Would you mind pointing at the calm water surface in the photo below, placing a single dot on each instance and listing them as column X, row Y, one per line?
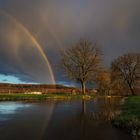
column 60, row 120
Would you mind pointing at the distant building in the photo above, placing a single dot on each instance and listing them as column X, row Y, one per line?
column 33, row 93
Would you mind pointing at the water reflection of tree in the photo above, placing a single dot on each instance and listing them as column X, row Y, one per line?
column 108, row 109
column 103, row 110
column 81, row 123
column 83, row 118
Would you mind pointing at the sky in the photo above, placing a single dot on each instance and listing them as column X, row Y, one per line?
column 33, row 32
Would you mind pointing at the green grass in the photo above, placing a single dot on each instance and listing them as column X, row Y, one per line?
column 131, row 107
column 129, row 117
column 20, row 97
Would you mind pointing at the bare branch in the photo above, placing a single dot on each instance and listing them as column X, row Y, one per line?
column 127, row 68
column 81, row 61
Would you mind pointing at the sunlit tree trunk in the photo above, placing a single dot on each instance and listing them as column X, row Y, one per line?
column 83, row 84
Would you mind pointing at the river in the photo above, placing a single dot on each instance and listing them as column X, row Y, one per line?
column 60, row 120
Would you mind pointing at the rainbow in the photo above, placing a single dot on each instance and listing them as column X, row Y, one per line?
column 34, row 40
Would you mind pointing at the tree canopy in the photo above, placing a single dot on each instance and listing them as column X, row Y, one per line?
column 81, row 62
column 126, row 68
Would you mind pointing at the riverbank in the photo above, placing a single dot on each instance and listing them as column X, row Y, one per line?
column 129, row 118
column 40, row 97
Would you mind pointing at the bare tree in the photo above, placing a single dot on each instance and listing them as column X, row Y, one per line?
column 81, row 61
column 126, row 68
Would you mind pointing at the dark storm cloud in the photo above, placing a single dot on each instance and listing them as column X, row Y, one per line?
column 115, row 24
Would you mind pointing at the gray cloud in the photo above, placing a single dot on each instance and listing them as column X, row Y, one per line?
column 113, row 23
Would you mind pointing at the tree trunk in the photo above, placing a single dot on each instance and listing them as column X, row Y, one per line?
column 131, row 89
column 83, row 84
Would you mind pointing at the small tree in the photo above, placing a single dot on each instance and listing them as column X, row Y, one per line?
column 103, row 81
column 81, row 62
column 126, row 68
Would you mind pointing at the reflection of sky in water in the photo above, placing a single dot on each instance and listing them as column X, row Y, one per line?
column 10, row 108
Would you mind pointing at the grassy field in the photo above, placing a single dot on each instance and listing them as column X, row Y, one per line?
column 131, row 107
column 129, row 119
column 22, row 97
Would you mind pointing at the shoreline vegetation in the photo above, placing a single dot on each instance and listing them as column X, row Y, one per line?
column 34, row 97
column 42, row 97
column 129, row 118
